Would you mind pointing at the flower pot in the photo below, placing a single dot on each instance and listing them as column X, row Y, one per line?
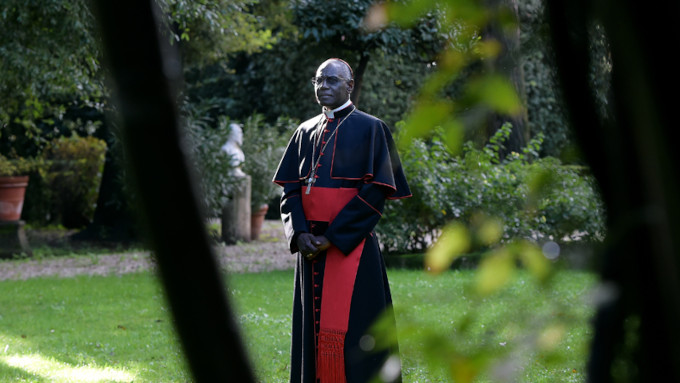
column 256, row 221
column 12, row 192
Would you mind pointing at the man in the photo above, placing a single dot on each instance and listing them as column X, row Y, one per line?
column 336, row 173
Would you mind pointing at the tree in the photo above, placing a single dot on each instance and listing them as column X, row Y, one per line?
column 49, row 62
column 53, row 82
column 153, row 140
column 508, row 63
column 207, row 32
column 275, row 81
column 636, row 334
column 341, row 25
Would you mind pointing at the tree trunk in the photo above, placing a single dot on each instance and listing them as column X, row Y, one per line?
column 509, row 65
column 359, row 77
column 637, row 337
column 146, row 74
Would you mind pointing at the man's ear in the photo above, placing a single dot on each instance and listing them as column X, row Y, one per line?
column 350, row 86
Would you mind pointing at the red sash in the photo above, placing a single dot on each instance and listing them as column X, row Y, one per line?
column 323, row 204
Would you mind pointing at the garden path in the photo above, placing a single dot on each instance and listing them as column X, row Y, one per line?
column 269, row 252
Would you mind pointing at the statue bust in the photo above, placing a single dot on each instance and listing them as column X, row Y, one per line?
column 233, row 148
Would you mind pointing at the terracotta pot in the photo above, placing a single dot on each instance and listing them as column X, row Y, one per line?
column 12, row 192
column 256, row 221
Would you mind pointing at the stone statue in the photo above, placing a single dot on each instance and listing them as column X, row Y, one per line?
column 236, row 211
column 233, row 148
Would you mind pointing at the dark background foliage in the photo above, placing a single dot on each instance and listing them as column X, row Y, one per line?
column 262, row 75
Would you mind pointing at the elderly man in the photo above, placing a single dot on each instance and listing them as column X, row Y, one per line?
column 336, row 173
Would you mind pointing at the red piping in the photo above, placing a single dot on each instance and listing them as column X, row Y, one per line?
column 369, row 205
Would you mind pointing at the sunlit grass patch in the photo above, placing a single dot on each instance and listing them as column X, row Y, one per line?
column 56, row 371
column 86, row 326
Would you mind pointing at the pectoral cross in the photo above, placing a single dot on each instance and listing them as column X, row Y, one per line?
column 309, row 182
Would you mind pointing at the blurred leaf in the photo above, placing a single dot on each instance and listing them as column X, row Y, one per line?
column 539, row 183
column 488, row 49
column 405, row 14
column 454, row 133
column 382, row 334
column 495, row 271
column 550, row 337
column 452, row 61
column 490, row 231
column 454, row 241
column 464, row 369
column 423, row 120
column 376, row 18
column 497, row 92
column 431, row 88
column 532, row 258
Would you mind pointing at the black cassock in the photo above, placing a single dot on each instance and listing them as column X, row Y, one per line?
column 358, row 169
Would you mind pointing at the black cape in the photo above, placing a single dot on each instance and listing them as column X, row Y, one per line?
column 360, row 154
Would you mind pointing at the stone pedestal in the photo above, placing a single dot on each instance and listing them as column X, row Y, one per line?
column 236, row 214
column 13, row 239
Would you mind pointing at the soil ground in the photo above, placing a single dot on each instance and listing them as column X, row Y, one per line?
column 268, row 252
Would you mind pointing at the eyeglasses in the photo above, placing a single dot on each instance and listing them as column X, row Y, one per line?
column 330, row 80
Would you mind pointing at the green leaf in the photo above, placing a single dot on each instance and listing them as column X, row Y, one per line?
column 424, row 119
column 497, row 92
column 406, row 14
column 532, row 258
column 488, row 49
column 495, row 271
column 454, row 134
column 454, row 241
column 465, row 369
column 490, row 231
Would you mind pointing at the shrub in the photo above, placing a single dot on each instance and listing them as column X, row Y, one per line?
column 72, row 172
column 408, row 224
column 263, row 146
column 212, row 164
column 37, row 208
column 537, row 198
column 16, row 166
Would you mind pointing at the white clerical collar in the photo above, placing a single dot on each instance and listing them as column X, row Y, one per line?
column 330, row 114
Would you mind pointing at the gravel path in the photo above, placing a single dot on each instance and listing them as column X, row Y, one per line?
column 269, row 252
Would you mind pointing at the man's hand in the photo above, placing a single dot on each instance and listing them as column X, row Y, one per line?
column 310, row 245
column 322, row 243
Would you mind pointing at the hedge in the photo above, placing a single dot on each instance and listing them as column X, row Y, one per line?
column 530, row 197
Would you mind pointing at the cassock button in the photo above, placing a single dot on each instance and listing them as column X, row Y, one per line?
column 316, row 285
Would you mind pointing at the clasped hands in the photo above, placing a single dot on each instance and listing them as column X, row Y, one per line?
column 310, row 245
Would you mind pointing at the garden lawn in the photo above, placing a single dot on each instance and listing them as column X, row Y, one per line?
column 118, row 328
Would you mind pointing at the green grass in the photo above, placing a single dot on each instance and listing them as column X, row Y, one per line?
column 106, row 329
column 117, row 329
column 524, row 333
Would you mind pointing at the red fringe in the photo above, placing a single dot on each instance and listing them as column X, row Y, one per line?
column 331, row 356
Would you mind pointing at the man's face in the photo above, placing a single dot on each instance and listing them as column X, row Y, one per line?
column 330, row 92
